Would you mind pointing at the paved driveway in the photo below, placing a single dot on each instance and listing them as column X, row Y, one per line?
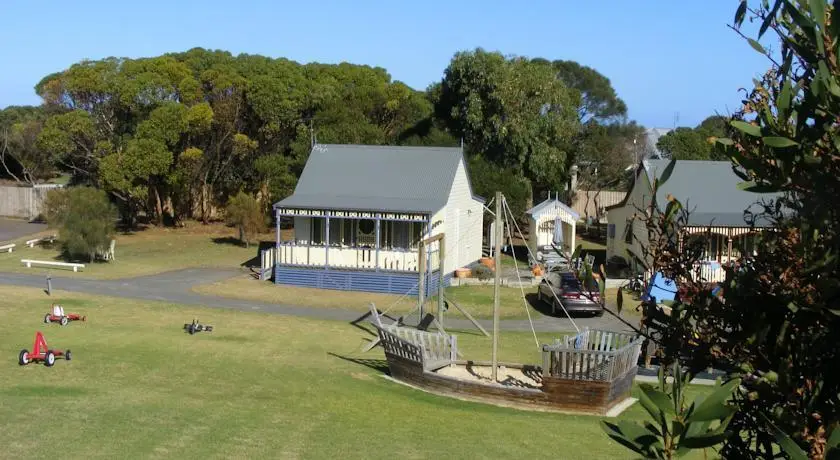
column 11, row 229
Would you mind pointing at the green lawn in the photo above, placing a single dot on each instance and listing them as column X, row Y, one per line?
column 146, row 252
column 476, row 299
column 259, row 386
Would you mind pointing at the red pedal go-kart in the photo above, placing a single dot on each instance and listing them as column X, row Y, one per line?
column 60, row 317
column 41, row 352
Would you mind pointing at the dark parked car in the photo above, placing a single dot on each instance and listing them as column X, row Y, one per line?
column 565, row 288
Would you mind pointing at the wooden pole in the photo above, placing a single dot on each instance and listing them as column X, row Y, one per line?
column 441, row 260
column 497, row 282
column 421, row 287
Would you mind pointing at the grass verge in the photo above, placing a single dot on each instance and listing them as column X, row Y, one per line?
column 146, row 252
column 258, row 386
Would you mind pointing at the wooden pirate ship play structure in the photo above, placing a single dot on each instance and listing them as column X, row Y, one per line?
column 591, row 371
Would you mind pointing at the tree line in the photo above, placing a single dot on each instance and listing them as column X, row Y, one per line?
column 175, row 136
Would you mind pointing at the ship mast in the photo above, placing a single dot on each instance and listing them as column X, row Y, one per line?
column 498, row 267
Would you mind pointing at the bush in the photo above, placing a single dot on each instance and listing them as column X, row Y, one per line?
column 245, row 213
column 84, row 218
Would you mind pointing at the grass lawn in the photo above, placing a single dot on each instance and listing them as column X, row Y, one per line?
column 476, row 299
column 258, row 386
column 146, row 252
column 629, row 302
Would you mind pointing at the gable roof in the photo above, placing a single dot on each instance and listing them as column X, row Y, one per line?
column 376, row 178
column 707, row 189
column 552, row 203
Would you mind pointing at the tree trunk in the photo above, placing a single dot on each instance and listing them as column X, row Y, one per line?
column 158, row 208
column 204, row 203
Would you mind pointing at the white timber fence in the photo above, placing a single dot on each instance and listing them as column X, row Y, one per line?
column 24, row 202
column 592, row 355
column 430, row 349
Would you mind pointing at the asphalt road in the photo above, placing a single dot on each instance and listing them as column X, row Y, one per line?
column 175, row 287
column 11, row 229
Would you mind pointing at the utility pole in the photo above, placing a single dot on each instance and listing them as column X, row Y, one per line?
column 498, row 266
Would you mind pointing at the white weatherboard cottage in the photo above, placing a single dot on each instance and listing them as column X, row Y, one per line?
column 709, row 191
column 359, row 212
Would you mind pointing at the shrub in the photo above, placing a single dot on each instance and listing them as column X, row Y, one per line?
column 84, row 218
column 244, row 212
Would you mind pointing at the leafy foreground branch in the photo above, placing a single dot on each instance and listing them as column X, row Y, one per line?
column 772, row 324
column 676, row 426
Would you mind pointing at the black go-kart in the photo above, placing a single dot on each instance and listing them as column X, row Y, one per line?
column 195, row 326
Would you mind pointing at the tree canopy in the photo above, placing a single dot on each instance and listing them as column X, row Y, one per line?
column 696, row 143
column 177, row 135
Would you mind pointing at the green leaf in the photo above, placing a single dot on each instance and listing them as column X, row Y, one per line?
column 833, row 440
column 746, row 128
column 666, row 174
column 783, row 102
column 751, row 186
column 779, row 142
column 632, row 436
column 725, row 141
column 785, row 442
column 655, row 413
column 740, row 13
column 756, row 46
column 697, row 428
column 576, row 252
column 704, row 440
column 671, row 209
column 818, row 11
column 713, row 406
column 708, row 413
column 657, row 397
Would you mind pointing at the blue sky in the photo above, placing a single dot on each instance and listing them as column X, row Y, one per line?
column 663, row 57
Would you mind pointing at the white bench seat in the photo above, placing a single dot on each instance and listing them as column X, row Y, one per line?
column 32, row 243
column 7, row 247
column 29, row 263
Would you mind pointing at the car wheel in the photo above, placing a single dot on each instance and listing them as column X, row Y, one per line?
column 47, row 318
column 63, row 321
column 67, row 355
column 23, row 357
column 49, row 358
column 599, row 313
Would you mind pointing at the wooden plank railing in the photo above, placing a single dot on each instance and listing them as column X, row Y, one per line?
column 433, row 350
column 403, row 260
column 592, row 355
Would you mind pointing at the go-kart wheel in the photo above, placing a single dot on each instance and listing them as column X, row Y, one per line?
column 23, row 357
column 208, row 328
column 47, row 318
column 84, row 318
column 67, row 355
column 63, row 321
column 192, row 329
column 49, row 358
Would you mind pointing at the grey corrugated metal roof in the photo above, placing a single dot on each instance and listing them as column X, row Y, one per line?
column 708, row 189
column 376, row 178
column 551, row 202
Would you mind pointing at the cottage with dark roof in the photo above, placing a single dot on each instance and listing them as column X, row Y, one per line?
column 709, row 191
column 360, row 212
